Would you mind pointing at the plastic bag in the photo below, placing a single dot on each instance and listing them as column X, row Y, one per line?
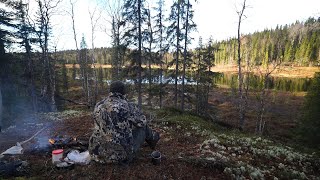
column 17, row 149
column 78, row 158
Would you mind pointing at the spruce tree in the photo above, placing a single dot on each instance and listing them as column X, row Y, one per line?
column 161, row 43
column 7, row 25
column 175, row 37
column 135, row 15
column 188, row 26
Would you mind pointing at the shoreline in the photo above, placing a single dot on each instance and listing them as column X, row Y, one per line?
column 282, row 71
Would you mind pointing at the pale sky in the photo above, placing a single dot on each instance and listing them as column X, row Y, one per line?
column 216, row 18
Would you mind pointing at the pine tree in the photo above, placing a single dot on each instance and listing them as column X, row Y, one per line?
column 148, row 36
column 7, row 25
column 161, row 43
column 135, row 15
column 188, row 26
column 175, row 37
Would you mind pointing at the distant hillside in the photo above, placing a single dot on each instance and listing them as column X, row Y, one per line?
column 298, row 43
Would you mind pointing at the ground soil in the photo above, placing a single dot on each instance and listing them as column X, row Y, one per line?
column 173, row 145
column 282, row 113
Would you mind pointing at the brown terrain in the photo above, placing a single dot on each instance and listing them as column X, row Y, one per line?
column 281, row 71
column 178, row 145
column 175, row 146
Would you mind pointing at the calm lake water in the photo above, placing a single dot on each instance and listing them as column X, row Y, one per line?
column 276, row 83
column 226, row 79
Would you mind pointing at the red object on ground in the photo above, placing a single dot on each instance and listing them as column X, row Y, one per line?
column 57, row 151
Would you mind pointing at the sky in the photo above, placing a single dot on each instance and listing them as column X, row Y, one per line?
column 215, row 18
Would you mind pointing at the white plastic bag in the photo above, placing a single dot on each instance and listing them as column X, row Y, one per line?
column 78, row 158
column 17, row 149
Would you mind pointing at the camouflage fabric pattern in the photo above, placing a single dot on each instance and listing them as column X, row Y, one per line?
column 114, row 120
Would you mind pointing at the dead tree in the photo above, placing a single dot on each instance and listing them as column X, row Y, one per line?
column 94, row 18
column 265, row 74
column 242, row 96
column 114, row 9
column 72, row 15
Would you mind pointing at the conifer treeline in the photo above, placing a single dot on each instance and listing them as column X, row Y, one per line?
column 297, row 44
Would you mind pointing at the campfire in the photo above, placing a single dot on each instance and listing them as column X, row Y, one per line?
column 47, row 144
column 68, row 142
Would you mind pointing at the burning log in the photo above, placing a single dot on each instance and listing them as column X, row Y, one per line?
column 70, row 142
column 45, row 145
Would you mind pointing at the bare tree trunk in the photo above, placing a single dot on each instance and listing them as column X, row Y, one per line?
column 82, row 65
column 73, row 25
column 177, row 57
column 197, row 86
column 161, row 64
column 53, row 84
column 261, row 122
column 30, row 72
column 150, row 58
column 240, row 75
column 161, row 84
column 119, row 59
column 185, row 56
column 93, row 27
column 139, row 58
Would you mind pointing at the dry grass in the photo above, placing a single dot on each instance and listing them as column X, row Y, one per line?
column 282, row 71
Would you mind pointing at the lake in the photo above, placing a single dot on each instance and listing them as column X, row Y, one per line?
column 225, row 79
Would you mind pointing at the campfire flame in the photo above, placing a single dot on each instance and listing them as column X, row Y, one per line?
column 51, row 141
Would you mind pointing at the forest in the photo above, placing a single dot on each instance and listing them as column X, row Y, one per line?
column 297, row 44
column 246, row 107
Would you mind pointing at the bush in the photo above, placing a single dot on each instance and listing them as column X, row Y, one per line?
column 309, row 126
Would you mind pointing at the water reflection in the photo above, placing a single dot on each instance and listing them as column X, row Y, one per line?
column 228, row 79
column 276, row 83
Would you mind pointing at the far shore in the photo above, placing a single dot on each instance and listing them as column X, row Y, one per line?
column 282, row 71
